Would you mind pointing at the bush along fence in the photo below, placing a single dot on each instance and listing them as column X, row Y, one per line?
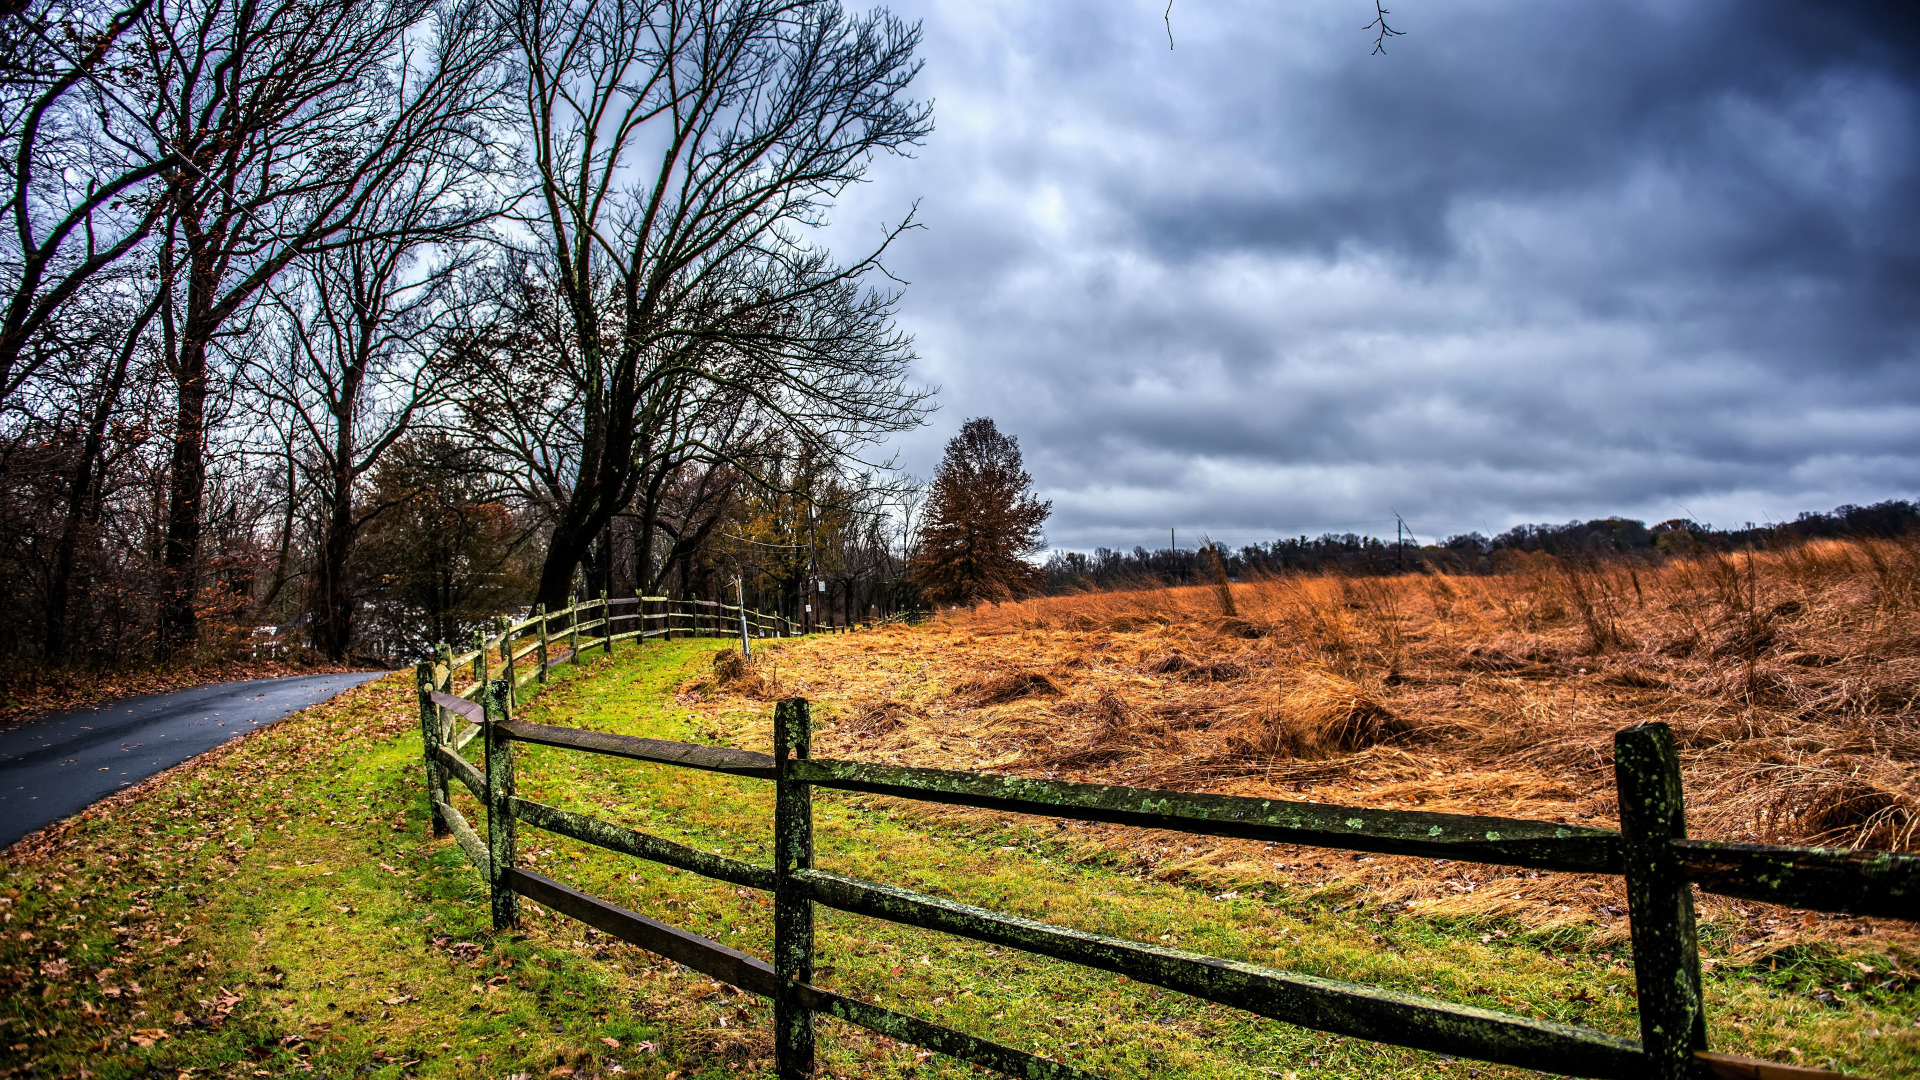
column 1651, row 851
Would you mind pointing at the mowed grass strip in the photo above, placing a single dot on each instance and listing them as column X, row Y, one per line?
column 276, row 910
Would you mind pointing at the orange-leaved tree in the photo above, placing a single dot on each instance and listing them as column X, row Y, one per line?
column 979, row 521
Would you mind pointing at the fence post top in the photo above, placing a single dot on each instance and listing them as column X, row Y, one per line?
column 1647, row 733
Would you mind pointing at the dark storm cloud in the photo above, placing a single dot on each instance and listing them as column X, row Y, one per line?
column 1537, row 262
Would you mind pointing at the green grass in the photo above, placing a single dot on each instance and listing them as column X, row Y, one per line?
column 277, row 921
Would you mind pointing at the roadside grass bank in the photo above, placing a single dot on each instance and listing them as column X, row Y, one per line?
column 273, row 910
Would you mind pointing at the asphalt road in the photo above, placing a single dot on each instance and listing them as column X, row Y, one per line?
column 56, row 767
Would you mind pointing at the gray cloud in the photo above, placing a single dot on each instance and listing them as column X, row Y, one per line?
column 1537, row 262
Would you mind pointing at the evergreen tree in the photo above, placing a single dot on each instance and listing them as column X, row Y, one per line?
column 980, row 520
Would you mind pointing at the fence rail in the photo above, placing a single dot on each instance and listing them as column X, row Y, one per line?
column 1651, row 850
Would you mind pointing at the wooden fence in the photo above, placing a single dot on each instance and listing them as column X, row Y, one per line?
column 1651, row 850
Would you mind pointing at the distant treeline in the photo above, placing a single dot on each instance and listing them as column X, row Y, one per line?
column 1351, row 553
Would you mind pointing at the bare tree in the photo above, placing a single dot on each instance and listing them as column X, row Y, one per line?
column 681, row 149
column 356, row 325
column 286, row 124
column 83, row 172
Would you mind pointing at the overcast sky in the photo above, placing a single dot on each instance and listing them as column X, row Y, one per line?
column 1536, row 262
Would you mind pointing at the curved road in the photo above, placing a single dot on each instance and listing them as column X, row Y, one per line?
column 55, row 767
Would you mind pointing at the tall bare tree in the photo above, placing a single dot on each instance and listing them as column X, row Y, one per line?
column 681, row 150
column 286, row 123
column 84, row 174
column 350, row 372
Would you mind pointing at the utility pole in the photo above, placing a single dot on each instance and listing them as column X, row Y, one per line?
column 740, row 596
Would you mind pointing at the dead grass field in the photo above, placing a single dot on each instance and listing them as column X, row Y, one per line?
column 1791, row 678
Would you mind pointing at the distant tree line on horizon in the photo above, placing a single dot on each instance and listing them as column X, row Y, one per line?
column 1468, row 553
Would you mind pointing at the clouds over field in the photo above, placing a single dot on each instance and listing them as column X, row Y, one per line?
column 1535, row 262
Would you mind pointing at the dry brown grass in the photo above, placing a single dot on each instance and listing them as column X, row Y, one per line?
column 1791, row 677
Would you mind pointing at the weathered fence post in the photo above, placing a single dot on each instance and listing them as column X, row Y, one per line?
column 541, row 610
column 1666, row 955
column 429, row 738
column 606, row 622
column 573, row 632
column 792, row 911
column 500, row 825
column 480, row 693
column 506, row 658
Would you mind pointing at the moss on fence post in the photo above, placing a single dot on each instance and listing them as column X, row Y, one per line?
column 501, row 833
column 792, row 910
column 1666, row 955
column 429, row 738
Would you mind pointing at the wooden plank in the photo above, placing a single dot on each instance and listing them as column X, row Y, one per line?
column 465, row 736
column 1365, row 1012
column 1878, row 883
column 627, row 635
column 1543, row 845
column 470, row 843
column 463, row 770
column 472, row 710
column 701, row 954
column 1734, row 1067
column 983, row 1052
column 754, row 975
column 720, row 759
column 532, row 646
column 640, row 845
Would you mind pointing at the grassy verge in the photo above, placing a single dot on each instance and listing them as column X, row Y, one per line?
column 275, row 911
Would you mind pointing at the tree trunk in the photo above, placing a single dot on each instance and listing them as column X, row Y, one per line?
column 333, row 607
column 83, row 503
column 285, row 544
column 186, row 492
column 572, row 540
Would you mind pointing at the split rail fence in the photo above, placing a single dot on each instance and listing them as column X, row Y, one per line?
column 1651, row 850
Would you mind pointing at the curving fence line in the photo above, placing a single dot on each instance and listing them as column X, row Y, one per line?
column 1651, row 850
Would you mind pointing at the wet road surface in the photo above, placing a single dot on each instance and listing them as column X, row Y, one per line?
column 52, row 768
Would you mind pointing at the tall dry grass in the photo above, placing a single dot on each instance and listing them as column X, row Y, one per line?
column 1791, row 677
